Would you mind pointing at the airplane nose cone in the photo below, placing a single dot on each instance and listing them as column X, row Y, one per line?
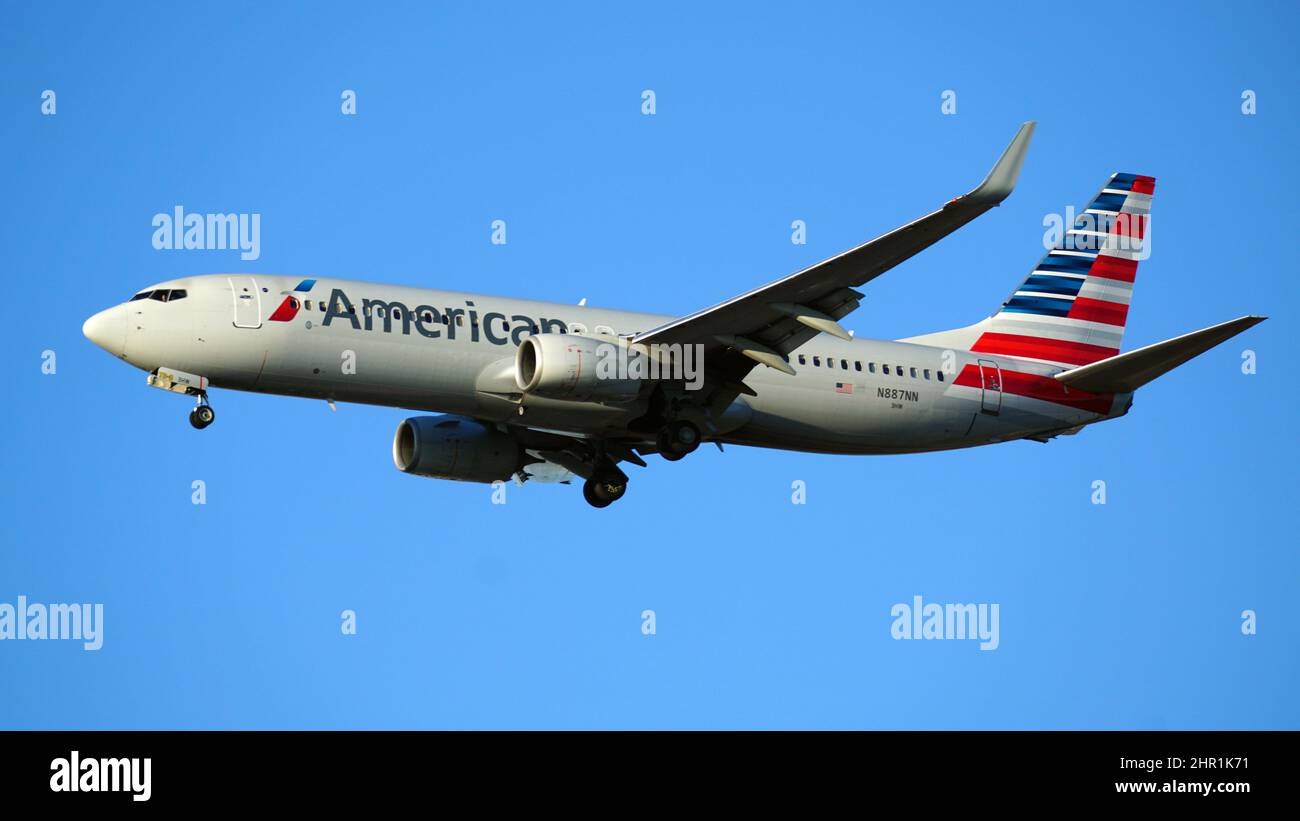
column 107, row 329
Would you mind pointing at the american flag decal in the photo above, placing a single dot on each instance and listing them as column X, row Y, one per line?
column 844, row 387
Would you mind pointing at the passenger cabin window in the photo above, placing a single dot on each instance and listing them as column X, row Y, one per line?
column 900, row 369
column 913, row 372
column 817, row 361
column 307, row 303
column 857, row 366
column 885, row 368
column 802, row 361
column 939, row 374
column 926, row 372
column 871, row 366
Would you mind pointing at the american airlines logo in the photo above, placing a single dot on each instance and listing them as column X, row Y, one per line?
column 428, row 321
column 613, row 361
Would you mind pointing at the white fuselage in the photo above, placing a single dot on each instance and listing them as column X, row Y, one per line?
column 447, row 352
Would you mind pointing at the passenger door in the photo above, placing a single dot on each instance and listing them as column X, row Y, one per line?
column 990, row 387
column 248, row 302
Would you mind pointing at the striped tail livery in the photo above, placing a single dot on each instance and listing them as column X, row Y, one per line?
column 1072, row 308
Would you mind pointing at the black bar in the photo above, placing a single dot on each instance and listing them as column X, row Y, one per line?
column 331, row 769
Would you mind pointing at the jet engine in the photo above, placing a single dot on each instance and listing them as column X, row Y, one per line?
column 565, row 366
column 454, row 447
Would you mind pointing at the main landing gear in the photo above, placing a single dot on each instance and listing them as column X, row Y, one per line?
column 606, row 486
column 202, row 415
column 677, row 439
column 607, row 483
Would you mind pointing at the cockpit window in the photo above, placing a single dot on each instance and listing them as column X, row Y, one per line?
column 161, row 294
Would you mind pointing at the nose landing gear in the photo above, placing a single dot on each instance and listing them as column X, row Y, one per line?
column 202, row 415
column 170, row 379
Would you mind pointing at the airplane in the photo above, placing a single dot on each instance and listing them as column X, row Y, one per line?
column 519, row 390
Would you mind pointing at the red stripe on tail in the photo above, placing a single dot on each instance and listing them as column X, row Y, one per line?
column 1129, row 225
column 1036, row 347
column 1124, row 270
column 1097, row 310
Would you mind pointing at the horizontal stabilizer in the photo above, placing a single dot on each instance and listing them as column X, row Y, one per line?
column 1129, row 371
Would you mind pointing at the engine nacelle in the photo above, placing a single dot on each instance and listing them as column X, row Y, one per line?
column 454, row 447
column 565, row 366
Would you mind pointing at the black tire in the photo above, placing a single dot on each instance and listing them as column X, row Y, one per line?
column 686, row 437
column 202, row 416
column 665, row 445
column 602, row 491
column 678, row 439
column 589, row 493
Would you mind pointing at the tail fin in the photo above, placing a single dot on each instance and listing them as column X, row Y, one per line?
column 1072, row 308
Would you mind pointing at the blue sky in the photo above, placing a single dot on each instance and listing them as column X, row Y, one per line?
column 528, row 614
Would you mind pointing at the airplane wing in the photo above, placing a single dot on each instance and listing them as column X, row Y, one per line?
column 766, row 324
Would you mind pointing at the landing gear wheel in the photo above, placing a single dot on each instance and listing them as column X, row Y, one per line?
column 677, row 439
column 603, row 490
column 202, row 416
